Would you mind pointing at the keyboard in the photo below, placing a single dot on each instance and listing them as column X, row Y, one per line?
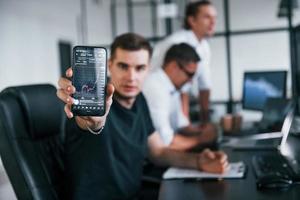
column 274, row 165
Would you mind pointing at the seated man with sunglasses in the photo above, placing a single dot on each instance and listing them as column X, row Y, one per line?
column 161, row 90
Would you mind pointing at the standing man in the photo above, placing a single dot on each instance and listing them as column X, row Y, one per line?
column 199, row 23
column 161, row 90
column 104, row 155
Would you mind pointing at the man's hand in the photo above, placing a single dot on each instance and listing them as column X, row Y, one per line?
column 204, row 96
column 208, row 133
column 64, row 92
column 213, row 162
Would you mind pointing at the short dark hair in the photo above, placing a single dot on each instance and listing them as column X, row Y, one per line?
column 131, row 42
column 182, row 53
column 191, row 10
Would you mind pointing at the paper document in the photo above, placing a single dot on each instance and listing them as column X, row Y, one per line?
column 235, row 170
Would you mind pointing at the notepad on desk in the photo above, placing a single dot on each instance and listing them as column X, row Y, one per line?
column 235, row 170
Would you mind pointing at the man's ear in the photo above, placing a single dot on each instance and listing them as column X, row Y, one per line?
column 173, row 63
column 191, row 21
column 109, row 63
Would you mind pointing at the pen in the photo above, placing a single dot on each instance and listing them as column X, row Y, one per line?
column 189, row 180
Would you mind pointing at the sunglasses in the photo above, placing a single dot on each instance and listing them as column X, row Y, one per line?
column 189, row 74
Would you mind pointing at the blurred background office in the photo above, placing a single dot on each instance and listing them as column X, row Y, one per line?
column 36, row 38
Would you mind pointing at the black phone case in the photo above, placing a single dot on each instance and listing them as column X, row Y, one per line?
column 90, row 112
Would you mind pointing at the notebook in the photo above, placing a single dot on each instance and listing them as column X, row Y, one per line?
column 235, row 170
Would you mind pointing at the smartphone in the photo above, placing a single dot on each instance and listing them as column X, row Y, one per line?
column 89, row 80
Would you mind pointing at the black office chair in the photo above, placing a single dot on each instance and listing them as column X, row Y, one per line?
column 31, row 140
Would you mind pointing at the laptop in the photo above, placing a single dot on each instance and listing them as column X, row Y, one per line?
column 273, row 115
column 280, row 169
column 264, row 141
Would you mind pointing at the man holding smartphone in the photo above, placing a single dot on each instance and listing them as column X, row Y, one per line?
column 109, row 165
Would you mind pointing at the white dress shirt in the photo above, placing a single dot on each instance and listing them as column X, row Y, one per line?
column 163, row 100
column 201, row 80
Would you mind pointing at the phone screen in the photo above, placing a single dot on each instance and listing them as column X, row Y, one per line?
column 89, row 79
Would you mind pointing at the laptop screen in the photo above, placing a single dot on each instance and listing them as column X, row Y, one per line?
column 274, row 113
column 286, row 127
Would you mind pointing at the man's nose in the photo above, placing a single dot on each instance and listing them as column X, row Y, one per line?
column 213, row 21
column 131, row 74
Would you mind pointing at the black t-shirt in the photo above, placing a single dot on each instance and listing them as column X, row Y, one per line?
column 109, row 165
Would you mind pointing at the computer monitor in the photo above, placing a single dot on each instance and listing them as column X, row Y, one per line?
column 259, row 86
column 296, row 68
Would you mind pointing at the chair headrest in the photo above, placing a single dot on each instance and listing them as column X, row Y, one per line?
column 43, row 111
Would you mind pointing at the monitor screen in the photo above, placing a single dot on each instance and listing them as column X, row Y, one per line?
column 259, row 86
column 296, row 69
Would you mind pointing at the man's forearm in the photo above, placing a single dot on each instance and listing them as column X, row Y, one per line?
column 170, row 157
column 204, row 105
column 184, row 143
column 82, row 123
column 191, row 130
column 163, row 155
column 195, row 137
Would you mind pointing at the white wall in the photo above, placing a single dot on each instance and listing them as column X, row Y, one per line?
column 98, row 22
column 30, row 31
column 261, row 51
column 255, row 14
